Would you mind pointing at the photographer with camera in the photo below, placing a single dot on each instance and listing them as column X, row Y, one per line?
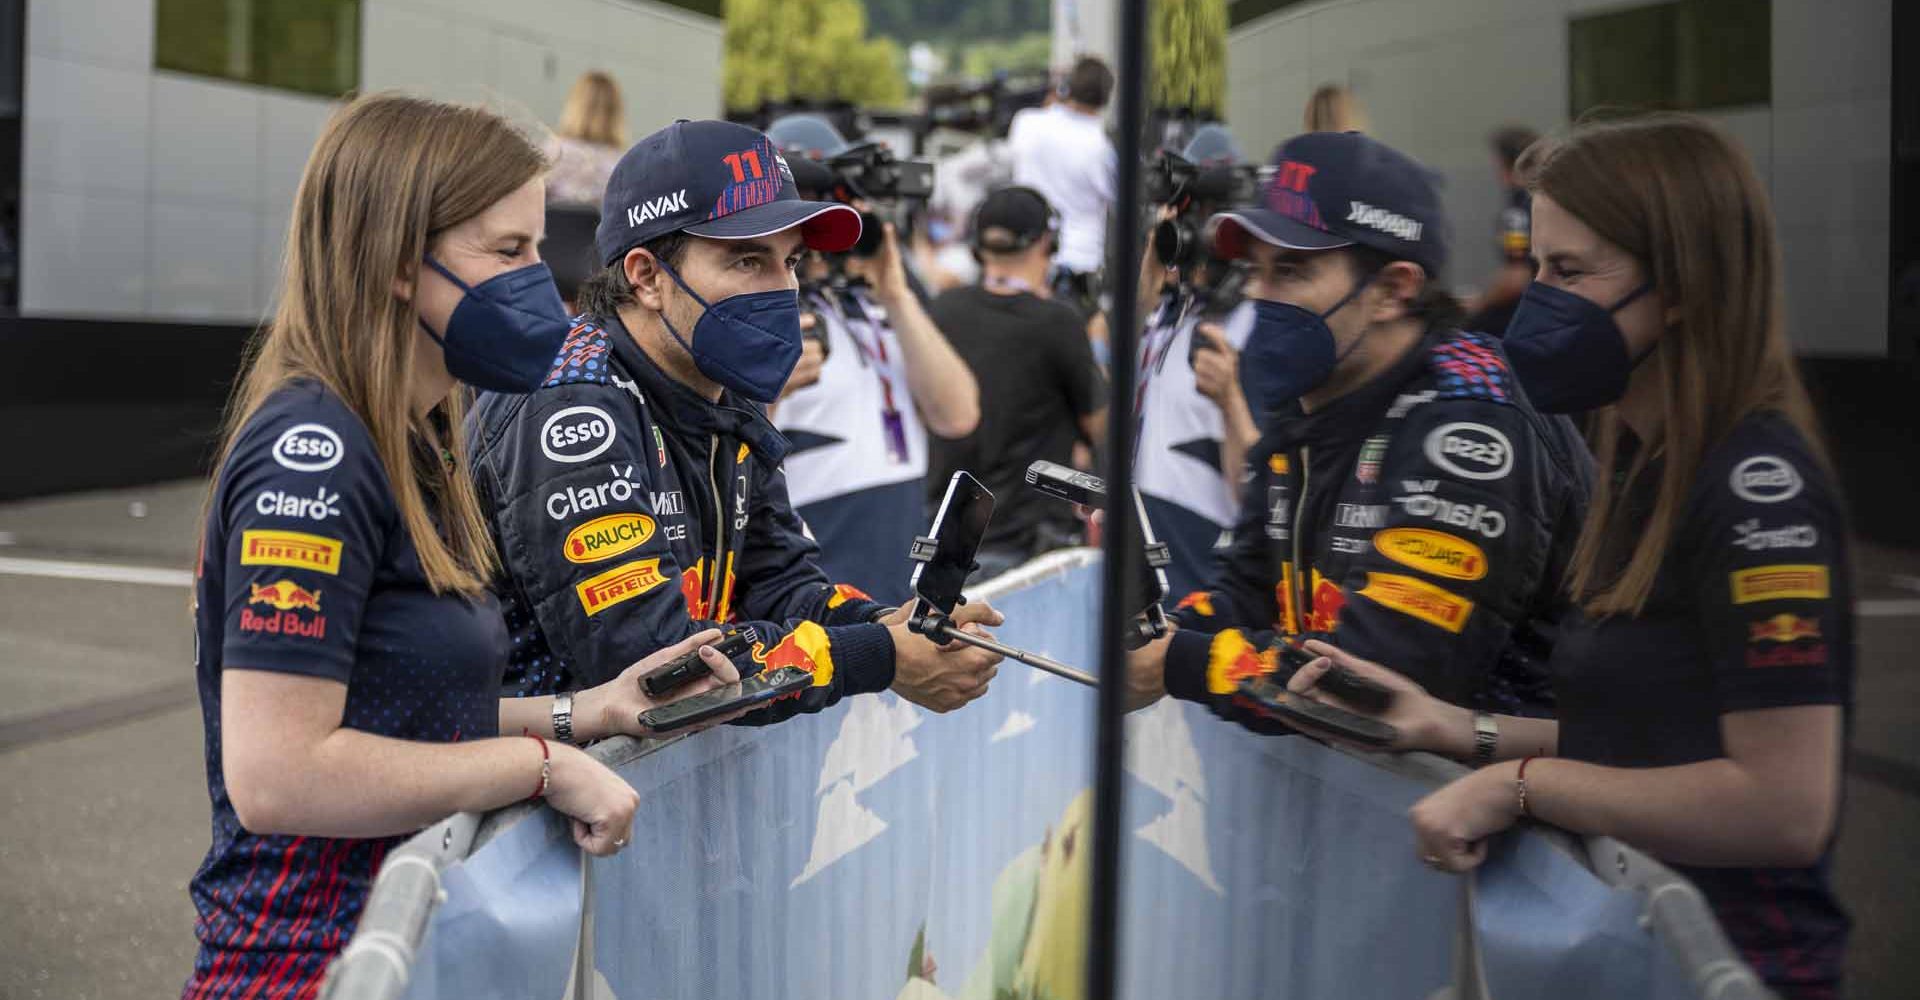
column 637, row 494
column 1190, row 416
column 885, row 374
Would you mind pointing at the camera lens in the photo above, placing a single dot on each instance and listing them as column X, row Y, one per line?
column 1174, row 243
column 872, row 235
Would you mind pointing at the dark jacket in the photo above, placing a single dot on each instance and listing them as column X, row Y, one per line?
column 1425, row 520
column 631, row 512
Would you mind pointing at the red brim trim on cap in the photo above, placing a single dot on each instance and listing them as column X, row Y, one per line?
column 826, row 226
column 1232, row 232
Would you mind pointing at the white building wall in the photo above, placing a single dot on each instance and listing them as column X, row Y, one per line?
column 154, row 194
column 1435, row 76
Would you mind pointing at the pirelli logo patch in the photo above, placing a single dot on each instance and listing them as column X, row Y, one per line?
column 1436, row 606
column 295, row 549
column 1434, row 552
column 1783, row 582
column 621, row 583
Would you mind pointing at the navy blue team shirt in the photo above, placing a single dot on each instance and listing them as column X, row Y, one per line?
column 1751, row 609
column 307, row 569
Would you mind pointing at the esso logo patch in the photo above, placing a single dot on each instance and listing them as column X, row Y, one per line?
column 577, row 434
column 1765, row 479
column 309, row 448
column 1470, row 451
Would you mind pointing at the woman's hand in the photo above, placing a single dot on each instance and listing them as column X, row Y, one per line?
column 599, row 802
column 1451, row 826
column 1423, row 721
column 614, row 708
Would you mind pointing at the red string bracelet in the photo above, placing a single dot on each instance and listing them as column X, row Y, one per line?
column 546, row 769
column 1520, row 786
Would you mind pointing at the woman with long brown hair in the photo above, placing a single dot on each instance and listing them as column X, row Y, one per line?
column 1705, row 684
column 349, row 654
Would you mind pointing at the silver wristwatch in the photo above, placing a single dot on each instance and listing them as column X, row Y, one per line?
column 1486, row 739
column 563, row 717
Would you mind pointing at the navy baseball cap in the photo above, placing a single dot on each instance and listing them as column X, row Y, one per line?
column 1341, row 189
column 713, row 179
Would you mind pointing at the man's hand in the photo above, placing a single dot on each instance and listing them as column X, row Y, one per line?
column 884, row 271
column 1147, row 673
column 812, row 358
column 1216, row 365
column 614, row 708
column 944, row 677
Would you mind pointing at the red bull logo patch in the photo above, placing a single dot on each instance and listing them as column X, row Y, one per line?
column 286, row 599
column 844, row 592
column 806, row 647
column 1200, row 601
column 1783, row 629
column 1231, row 659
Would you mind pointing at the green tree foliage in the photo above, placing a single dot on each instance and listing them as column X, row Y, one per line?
column 958, row 20
column 780, row 49
column 1189, row 45
column 1029, row 52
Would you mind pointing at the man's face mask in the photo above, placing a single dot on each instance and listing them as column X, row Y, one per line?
column 506, row 331
column 1290, row 352
column 749, row 342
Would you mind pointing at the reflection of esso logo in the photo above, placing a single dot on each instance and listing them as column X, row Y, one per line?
column 1765, row 479
column 1471, row 451
column 308, row 448
column 577, row 434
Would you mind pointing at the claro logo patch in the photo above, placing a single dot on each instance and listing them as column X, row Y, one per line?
column 577, row 434
column 606, row 537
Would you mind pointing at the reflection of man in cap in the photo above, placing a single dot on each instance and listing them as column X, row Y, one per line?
column 1403, row 492
column 652, row 419
column 1040, row 391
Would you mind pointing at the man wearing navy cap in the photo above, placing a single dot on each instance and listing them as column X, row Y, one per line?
column 637, row 497
column 1404, row 502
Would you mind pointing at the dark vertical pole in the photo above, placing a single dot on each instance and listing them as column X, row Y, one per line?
column 1123, row 274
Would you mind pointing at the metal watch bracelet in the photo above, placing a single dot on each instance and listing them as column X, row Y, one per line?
column 563, row 717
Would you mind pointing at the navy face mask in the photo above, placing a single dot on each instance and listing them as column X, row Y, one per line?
column 1567, row 351
column 748, row 342
column 1289, row 353
column 506, row 331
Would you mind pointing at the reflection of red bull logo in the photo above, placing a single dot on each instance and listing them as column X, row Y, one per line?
column 1783, row 628
column 1200, row 601
column 693, row 588
column 806, row 647
column 284, row 595
column 1232, row 659
column 1328, row 599
column 844, row 592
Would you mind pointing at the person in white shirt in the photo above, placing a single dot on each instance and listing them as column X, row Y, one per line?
column 1067, row 157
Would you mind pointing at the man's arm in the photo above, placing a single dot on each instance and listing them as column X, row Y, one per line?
column 943, row 386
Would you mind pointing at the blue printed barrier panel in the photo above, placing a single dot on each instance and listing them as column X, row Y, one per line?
column 877, row 850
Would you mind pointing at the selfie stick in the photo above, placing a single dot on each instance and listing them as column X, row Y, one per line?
column 939, row 627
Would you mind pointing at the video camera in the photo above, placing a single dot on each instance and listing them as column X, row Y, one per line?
column 1193, row 191
column 870, row 172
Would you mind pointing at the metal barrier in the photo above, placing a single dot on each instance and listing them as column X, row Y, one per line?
column 378, row 961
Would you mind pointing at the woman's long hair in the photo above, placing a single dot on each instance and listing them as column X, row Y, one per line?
column 388, row 176
column 594, row 112
column 1683, row 199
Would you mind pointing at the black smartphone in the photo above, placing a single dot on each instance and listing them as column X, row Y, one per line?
column 958, row 528
column 759, row 689
column 1366, row 695
column 1290, row 708
column 689, row 667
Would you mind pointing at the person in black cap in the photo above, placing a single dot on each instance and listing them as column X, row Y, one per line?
column 884, row 375
column 1040, row 390
column 1404, row 495
column 637, row 495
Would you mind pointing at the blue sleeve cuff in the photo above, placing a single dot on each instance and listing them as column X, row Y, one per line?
column 1186, row 666
column 863, row 657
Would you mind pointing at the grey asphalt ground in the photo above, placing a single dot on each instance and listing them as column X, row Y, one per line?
column 104, row 791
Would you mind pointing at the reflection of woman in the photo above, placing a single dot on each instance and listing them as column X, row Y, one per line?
column 349, row 655
column 1333, row 108
column 589, row 140
column 1703, row 691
